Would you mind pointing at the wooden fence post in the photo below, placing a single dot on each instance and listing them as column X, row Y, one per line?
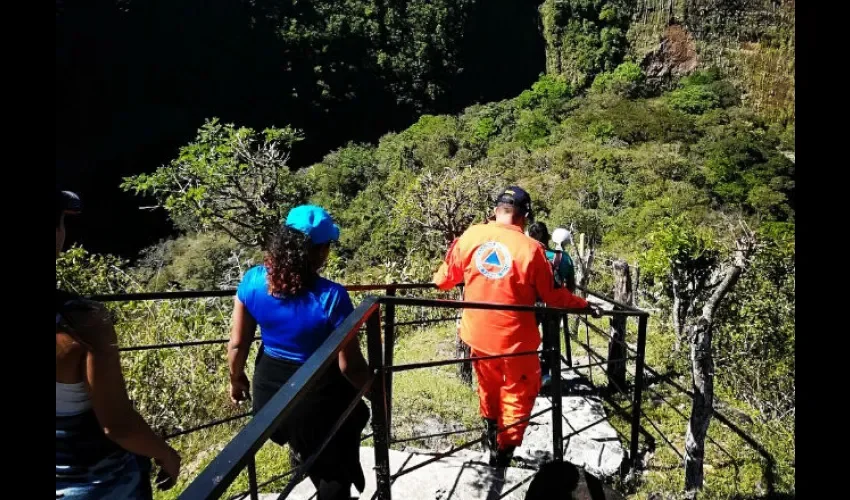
column 617, row 352
column 636, row 287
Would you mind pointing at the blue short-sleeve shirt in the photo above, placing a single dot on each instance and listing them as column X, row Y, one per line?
column 292, row 328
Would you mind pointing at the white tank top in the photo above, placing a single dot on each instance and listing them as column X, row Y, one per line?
column 71, row 399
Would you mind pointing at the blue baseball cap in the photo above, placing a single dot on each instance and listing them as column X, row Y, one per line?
column 313, row 221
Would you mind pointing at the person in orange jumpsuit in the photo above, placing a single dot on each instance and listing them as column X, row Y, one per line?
column 498, row 263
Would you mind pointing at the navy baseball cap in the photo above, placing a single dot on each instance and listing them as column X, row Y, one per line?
column 518, row 197
column 313, row 221
column 68, row 202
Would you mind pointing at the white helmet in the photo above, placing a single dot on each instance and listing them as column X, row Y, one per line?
column 561, row 235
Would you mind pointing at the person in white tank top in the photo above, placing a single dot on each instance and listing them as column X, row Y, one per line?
column 103, row 446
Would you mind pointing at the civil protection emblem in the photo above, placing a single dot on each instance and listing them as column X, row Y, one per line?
column 493, row 260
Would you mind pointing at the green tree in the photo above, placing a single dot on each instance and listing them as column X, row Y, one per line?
column 584, row 37
column 701, row 92
column 438, row 207
column 230, row 179
column 744, row 169
column 690, row 264
column 195, row 261
column 627, row 80
column 84, row 273
column 757, row 330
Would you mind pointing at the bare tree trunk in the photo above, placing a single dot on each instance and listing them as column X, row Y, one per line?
column 679, row 316
column 636, row 287
column 462, row 350
column 616, row 346
column 702, row 366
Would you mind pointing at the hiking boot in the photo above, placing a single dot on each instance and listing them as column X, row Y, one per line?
column 502, row 457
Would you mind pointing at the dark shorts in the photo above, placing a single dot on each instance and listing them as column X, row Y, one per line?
column 91, row 467
column 312, row 420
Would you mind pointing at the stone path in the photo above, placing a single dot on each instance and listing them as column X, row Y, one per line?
column 465, row 475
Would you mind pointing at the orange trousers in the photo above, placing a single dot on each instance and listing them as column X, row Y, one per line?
column 507, row 388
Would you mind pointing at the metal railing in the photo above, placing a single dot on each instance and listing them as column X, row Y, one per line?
column 654, row 387
column 386, row 306
column 388, row 289
column 239, row 453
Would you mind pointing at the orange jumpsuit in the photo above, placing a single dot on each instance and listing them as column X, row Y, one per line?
column 499, row 263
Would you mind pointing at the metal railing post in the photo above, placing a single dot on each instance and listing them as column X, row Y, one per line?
column 567, row 343
column 550, row 327
column 638, row 391
column 389, row 350
column 379, row 407
column 252, row 479
column 587, row 342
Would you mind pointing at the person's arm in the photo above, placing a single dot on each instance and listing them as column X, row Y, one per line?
column 450, row 273
column 241, row 337
column 351, row 362
column 353, row 365
column 544, row 284
column 110, row 402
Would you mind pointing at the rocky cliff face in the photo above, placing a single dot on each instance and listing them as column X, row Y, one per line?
column 750, row 41
column 675, row 56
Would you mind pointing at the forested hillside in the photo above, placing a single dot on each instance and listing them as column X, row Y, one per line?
column 662, row 131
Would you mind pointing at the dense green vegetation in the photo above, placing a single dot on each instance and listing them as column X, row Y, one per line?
column 685, row 180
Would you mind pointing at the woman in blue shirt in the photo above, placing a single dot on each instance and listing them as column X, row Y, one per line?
column 296, row 310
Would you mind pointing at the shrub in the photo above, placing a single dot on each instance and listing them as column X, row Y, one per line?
column 702, row 91
column 546, row 91
column 626, row 80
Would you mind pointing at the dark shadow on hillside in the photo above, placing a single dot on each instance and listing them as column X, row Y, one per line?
column 136, row 79
column 504, row 52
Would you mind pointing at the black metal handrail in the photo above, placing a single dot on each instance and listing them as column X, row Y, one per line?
column 239, row 453
column 383, row 369
column 389, row 288
column 203, row 294
column 192, row 343
column 768, row 472
column 217, row 476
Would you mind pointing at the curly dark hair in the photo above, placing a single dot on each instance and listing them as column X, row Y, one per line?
column 539, row 232
column 289, row 261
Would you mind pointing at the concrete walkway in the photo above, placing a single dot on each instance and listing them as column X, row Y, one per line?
column 456, row 477
column 596, row 449
column 465, row 476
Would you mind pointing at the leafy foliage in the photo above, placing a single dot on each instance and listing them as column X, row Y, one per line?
column 677, row 246
column 87, row 274
column 584, row 37
column 745, row 169
column 198, row 261
column 701, row 92
column 438, row 207
column 230, row 179
column 627, row 79
column 548, row 92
